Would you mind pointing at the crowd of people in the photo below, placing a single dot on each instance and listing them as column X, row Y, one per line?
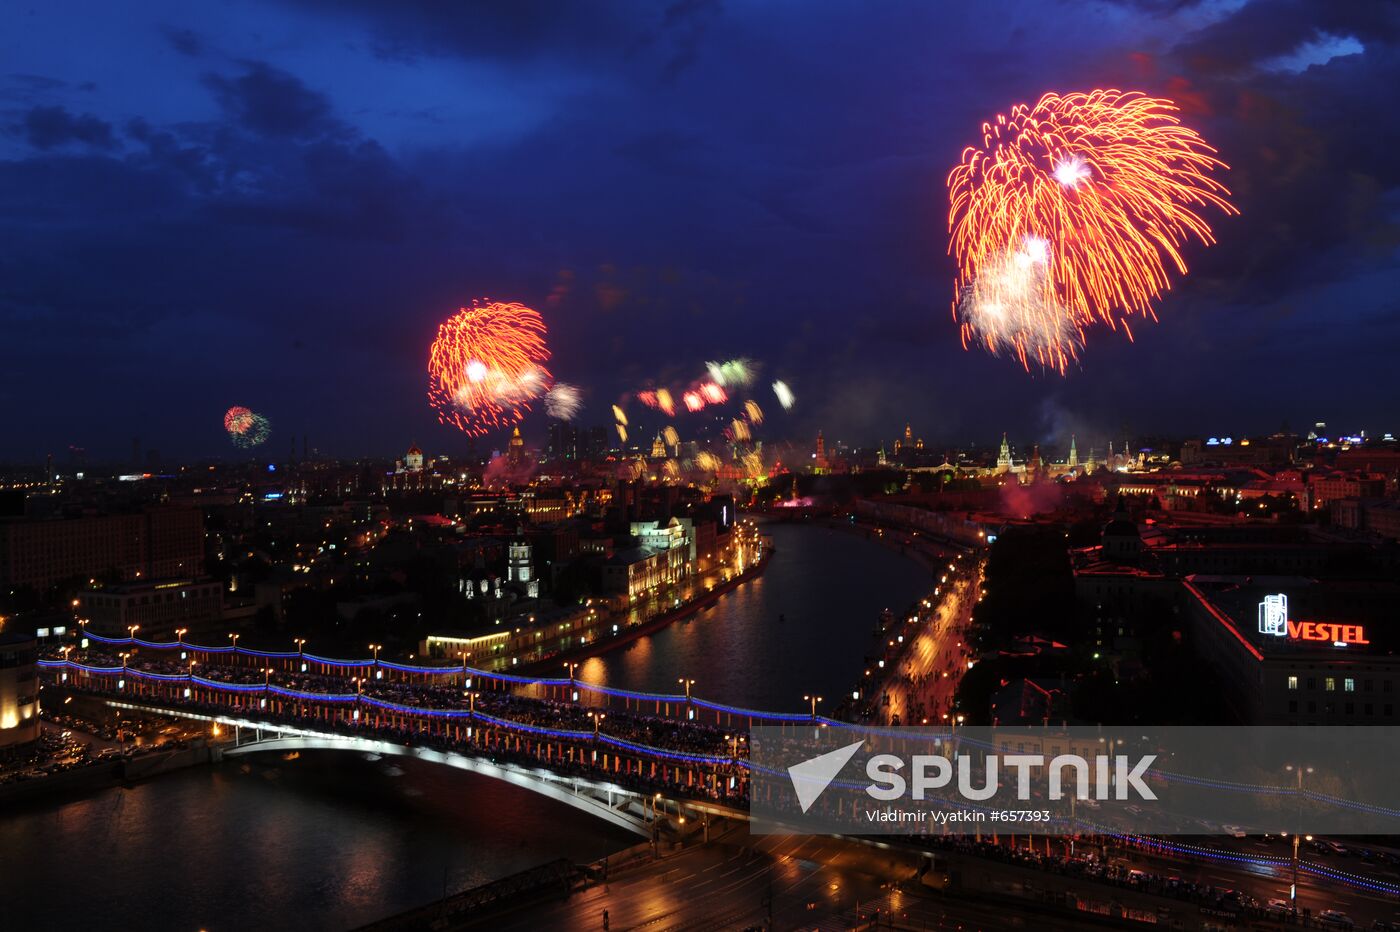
column 583, row 728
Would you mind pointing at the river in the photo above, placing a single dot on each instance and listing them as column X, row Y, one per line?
column 333, row 840
column 802, row 626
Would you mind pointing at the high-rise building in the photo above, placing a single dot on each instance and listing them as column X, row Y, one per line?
column 515, row 453
column 820, row 464
column 164, row 542
column 563, row 441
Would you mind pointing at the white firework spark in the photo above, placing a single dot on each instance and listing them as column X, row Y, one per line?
column 563, row 401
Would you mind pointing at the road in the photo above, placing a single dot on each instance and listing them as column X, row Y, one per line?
column 780, row 882
column 925, row 674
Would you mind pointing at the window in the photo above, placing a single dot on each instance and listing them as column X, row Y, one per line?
column 1292, row 705
column 1349, row 685
column 1293, row 682
column 1330, row 684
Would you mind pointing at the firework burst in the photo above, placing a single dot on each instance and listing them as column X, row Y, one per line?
column 487, row 365
column 255, row 431
column 1110, row 183
column 563, row 401
column 238, row 419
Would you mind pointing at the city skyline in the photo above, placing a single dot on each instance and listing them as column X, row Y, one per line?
column 275, row 207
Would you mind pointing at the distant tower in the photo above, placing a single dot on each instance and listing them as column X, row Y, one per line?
column 1073, row 453
column 1033, row 466
column 881, row 457
column 1004, row 456
column 518, row 569
column 819, row 461
column 1090, row 465
column 413, row 459
column 658, row 447
column 515, row 453
column 908, row 436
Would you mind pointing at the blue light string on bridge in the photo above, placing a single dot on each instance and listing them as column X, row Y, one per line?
column 508, row 724
column 455, row 671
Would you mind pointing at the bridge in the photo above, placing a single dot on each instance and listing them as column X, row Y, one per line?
column 638, row 812
column 648, row 763
column 641, row 761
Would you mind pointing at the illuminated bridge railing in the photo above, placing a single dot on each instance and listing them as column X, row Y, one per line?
column 617, row 757
column 562, row 687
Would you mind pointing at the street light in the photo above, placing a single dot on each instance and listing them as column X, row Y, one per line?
column 813, row 699
column 180, row 636
column 234, row 639
column 1298, row 771
column 573, row 687
column 687, row 683
column 131, row 630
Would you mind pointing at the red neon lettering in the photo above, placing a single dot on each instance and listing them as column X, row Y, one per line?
column 1326, row 631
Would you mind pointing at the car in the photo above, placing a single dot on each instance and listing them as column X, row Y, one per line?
column 1336, row 919
column 1233, row 830
column 1279, row 906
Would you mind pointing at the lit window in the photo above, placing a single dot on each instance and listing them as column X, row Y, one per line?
column 1330, row 684
column 1293, row 682
column 1349, row 685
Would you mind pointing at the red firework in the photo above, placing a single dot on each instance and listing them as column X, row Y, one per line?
column 238, row 419
column 487, row 365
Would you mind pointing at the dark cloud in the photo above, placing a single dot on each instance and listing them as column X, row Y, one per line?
column 185, row 41
column 55, row 127
column 271, row 102
column 672, row 183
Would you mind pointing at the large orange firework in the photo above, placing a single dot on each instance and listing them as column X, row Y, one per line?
column 487, row 365
column 1076, row 207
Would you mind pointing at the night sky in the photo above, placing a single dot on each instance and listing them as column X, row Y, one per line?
column 208, row 204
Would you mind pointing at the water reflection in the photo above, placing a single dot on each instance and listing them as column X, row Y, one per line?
column 329, row 841
column 803, row 625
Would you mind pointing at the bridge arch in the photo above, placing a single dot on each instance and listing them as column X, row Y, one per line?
column 615, row 804
column 611, row 803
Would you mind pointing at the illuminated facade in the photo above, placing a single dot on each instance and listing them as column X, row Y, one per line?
column 519, row 570
column 19, row 689
column 1296, row 651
